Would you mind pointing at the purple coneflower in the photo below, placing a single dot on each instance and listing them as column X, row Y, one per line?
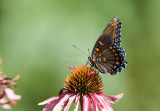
column 84, row 87
column 7, row 94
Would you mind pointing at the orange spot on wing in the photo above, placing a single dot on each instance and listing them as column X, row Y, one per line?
column 97, row 49
column 117, row 63
column 94, row 59
column 116, row 54
column 114, row 31
column 117, row 58
column 100, row 43
column 111, row 47
column 104, row 59
column 115, row 66
column 114, row 50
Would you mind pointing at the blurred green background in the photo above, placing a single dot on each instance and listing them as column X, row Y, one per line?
column 36, row 38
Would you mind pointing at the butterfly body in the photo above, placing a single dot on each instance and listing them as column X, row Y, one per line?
column 107, row 55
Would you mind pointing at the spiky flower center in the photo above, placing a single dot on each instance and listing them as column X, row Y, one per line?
column 80, row 82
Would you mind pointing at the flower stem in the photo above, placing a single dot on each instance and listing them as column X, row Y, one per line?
column 81, row 102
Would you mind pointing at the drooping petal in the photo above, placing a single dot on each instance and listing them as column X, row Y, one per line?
column 94, row 103
column 69, row 103
column 105, row 103
column 61, row 103
column 50, row 105
column 114, row 98
column 52, row 99
column 14, row 102
column 48, row 100
column 16, row 78
column 3, row 102
column 77, row 103
column 11, row 95
column 71, row 67
column 90, row 107
column 85, row 103
column 98, row 102
column 111, row 102
column 6, row 106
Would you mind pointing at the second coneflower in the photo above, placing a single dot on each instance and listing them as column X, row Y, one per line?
column 84, row 85
column 7, row 94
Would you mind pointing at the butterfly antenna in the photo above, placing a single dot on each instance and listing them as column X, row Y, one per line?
column 88, row 52
column 80, row 50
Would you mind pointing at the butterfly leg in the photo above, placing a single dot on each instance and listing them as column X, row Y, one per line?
column 87, row 63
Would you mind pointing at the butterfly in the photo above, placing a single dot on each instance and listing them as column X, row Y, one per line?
column 108, row 55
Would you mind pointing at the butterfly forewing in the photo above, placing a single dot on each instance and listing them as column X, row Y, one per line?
column 107, row 54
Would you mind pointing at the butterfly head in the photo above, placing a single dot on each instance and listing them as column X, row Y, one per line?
column 91, row 61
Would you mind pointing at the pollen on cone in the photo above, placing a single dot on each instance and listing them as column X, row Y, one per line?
column 83, row 80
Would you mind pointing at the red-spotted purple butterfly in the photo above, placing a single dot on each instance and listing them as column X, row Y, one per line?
column 108, row 55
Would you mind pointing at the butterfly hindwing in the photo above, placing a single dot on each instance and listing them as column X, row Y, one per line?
column 107, row 54
column 110, row 60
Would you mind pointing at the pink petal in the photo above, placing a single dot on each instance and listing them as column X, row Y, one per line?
column 6, row 106
column 85, row 103
column 51, row 102
column 97, row 101
column 105, row 103
column 111, row 102
column 69, row 103
column 11, row 94
column 90, row 73
column 16, row 78
column 52, row 99
column 71, row 67
column 90, row 108
column 48, row 100
column 50, row 105
column 14, row 102
column 61, row 103
column 3, row 102
column 77, row 103
column 94, row 103
column 114, row 98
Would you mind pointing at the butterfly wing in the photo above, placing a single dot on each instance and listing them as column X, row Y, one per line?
column 107, row 54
